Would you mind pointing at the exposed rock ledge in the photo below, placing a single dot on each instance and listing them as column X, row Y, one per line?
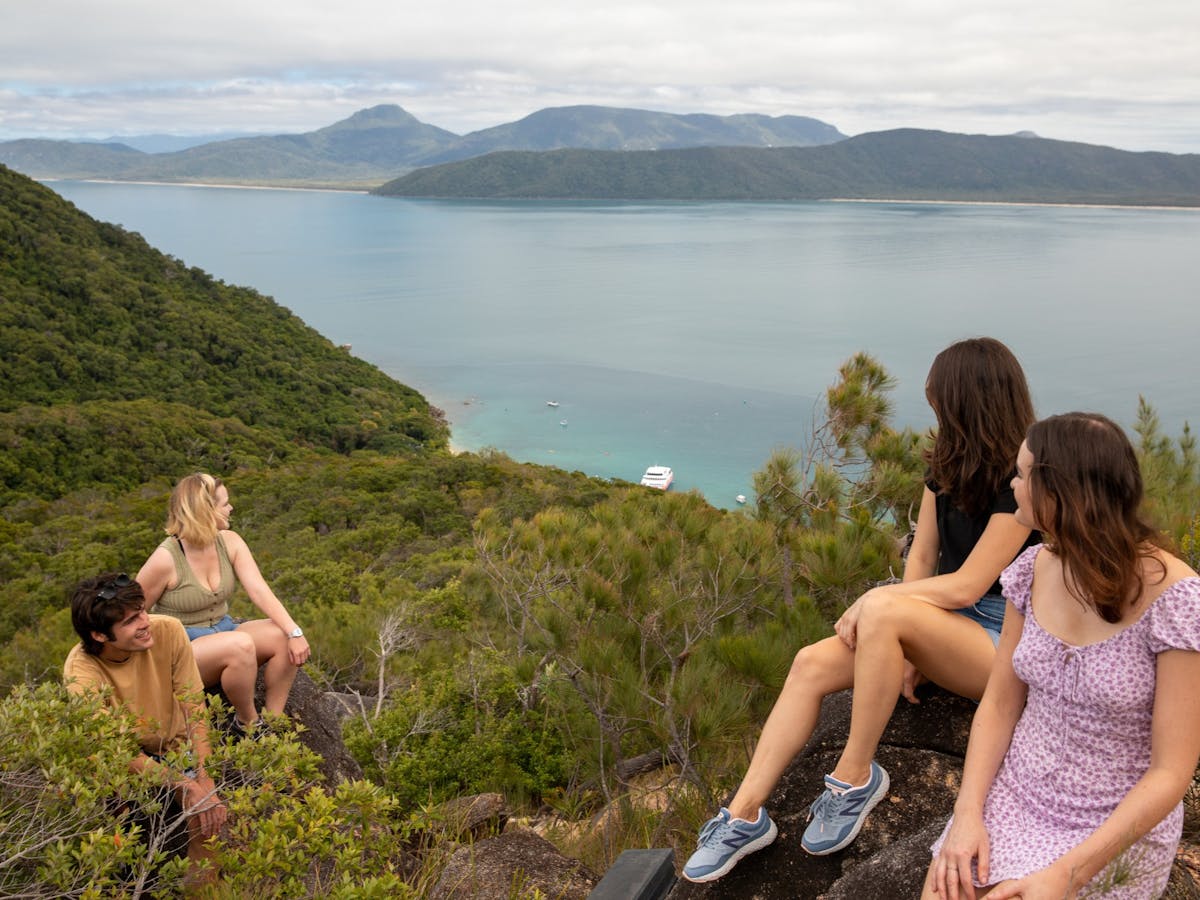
column 922, row 751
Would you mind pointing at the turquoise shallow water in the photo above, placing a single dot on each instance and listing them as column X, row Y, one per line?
column 696, row 335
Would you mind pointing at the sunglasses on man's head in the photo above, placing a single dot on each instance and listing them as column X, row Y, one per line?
column 111, row 588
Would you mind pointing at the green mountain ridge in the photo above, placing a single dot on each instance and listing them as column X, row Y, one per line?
column 905, row 164
column 377, row 144
column 608, row 128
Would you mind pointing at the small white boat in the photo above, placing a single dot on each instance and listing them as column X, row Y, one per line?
column 563, row 423
column 740, row 498
column 658, row 477
column 552, row 403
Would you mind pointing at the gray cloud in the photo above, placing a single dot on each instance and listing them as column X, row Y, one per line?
column 1120, row 74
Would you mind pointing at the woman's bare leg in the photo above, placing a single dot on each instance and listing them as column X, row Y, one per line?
column 227, row 658
column 270, row 645
column 948, row 649
column 818, row 669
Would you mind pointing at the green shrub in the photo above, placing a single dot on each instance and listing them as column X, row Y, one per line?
column 69, row 825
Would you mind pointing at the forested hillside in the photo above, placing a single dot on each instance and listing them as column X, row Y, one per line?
column 92, row 314
column 906, row 164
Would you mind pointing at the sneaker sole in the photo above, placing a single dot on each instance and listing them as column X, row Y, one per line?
column 872, row 802
column 758, row 843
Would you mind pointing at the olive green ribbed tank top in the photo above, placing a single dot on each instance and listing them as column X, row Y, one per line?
column 190, row 601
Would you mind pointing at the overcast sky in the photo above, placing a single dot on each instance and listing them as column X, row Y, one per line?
column 1109, row 72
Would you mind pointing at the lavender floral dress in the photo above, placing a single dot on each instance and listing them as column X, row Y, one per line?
column 1083, row 740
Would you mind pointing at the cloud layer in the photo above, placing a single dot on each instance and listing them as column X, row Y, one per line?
column 1120, row 74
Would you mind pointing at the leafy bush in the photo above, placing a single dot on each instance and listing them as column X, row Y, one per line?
column 462, row 731
column 76, row 822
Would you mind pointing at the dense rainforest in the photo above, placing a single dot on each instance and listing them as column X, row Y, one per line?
column 504, row 626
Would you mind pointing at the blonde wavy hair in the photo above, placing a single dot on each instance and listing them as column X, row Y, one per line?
column 192, row 509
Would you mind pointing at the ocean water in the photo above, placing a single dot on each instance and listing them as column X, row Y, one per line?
column 696, row 335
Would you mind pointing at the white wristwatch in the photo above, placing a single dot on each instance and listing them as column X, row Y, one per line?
column 296, row 632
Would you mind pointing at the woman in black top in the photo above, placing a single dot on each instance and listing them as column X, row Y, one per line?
column 940, row 623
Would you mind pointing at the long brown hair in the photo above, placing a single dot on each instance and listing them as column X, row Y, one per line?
column 979, row 395
column 1086, row 491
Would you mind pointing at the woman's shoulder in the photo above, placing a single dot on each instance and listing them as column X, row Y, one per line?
column 1176, row 568
column 1174, row 614
column 1179, row 580
column 233, row 542
column 1016, row 581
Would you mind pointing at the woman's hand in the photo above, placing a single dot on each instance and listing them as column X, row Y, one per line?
column 967, row 840
column 1051, row 883
column 298, row 650
column 912, row 680
column 846, row 627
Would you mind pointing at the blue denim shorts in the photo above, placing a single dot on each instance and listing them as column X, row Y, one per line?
column 225, row 623
column 988, row 612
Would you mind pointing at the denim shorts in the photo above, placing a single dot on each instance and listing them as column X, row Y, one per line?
column 225, row 623
column 988, row 612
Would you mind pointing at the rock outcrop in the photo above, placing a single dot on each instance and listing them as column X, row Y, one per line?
column 515, row 864
column 321, row 716
column 922, row 750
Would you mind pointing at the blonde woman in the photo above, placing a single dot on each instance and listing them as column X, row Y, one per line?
column 191, row 576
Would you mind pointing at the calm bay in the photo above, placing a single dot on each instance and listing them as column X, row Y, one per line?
column 694, row 335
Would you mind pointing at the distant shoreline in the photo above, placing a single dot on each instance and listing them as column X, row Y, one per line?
column 206, row 184
column 1009, row 203
column 892, row 200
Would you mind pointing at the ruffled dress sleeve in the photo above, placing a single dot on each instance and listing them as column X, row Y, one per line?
column 1174, row 617
column 1016, row 581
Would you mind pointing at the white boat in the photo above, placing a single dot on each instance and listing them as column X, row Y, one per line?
column 659, row 477
column 740, row 498
column 552, row 403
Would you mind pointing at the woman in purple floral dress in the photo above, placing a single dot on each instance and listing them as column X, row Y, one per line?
column 1089, row 730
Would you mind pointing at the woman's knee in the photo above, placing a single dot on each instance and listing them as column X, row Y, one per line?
column 884, row 613
column 822, row 667
column 267, row 643
column 237, row 650
column 225, row 648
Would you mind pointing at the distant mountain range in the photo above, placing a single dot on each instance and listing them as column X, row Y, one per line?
column 604, row 153
column 375, row 145
column 906, row 164
column 170, row 143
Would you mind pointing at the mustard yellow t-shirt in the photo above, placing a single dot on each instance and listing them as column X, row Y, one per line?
column 150, row 683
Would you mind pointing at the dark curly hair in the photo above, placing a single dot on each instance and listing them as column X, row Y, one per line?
column 978, row 393
column 99, row 603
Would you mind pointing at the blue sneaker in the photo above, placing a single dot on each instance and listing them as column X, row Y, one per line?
column 724, row 840
column 836, row 817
